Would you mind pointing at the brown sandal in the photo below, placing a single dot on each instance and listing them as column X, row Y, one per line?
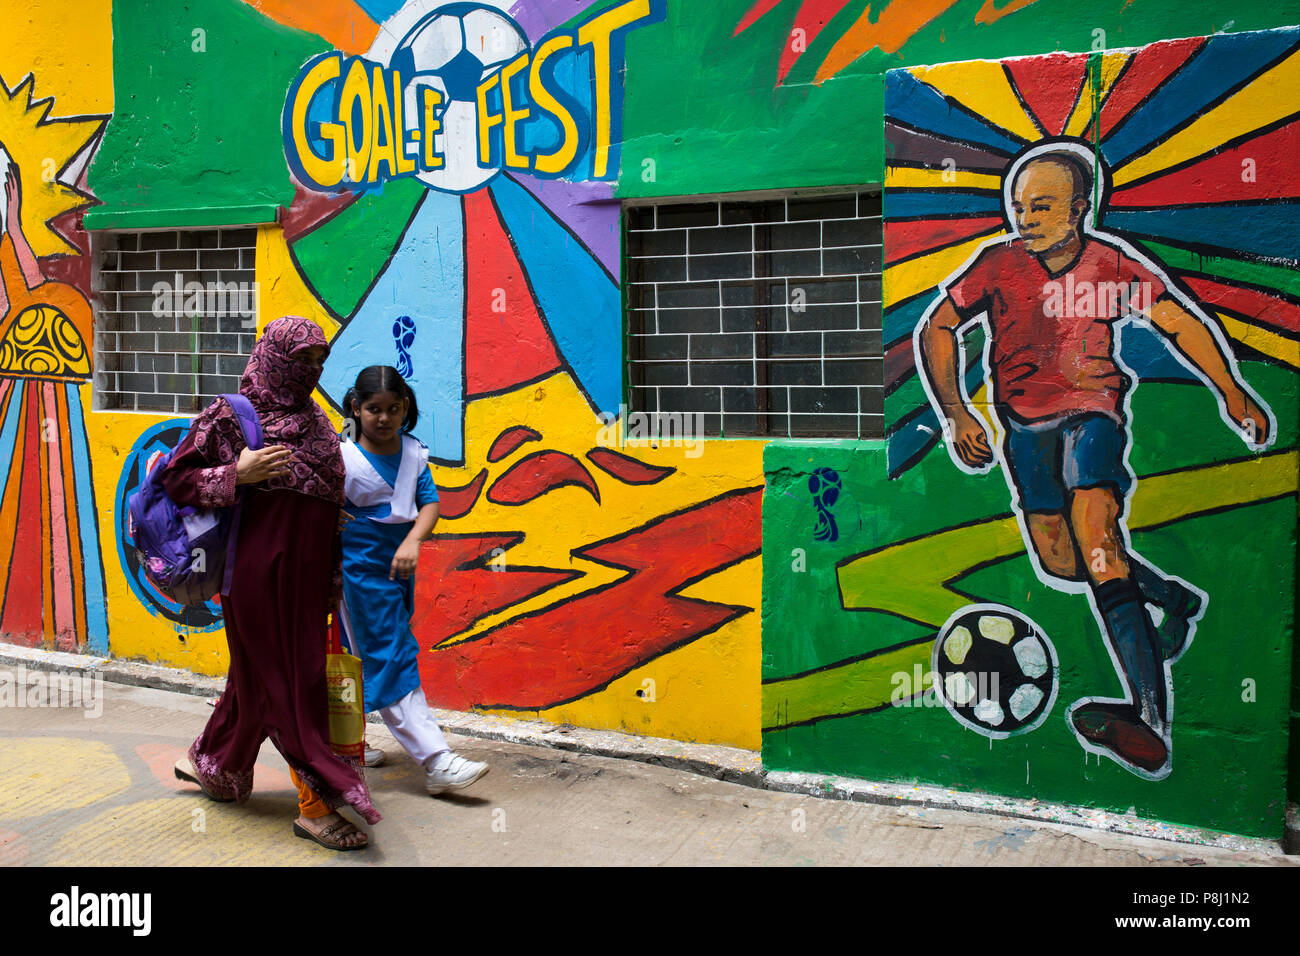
column 329, row 836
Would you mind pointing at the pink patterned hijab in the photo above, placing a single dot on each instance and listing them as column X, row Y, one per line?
column 279, row 387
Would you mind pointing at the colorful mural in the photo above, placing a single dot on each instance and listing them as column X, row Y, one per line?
column 1094, row 255
column 497, row 291
column 51, row 577
column 437, row 183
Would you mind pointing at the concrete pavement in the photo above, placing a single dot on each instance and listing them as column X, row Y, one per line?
column 92, row 785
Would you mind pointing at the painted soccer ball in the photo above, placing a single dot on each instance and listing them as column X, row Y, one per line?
column 453, row 49
column 995, row 670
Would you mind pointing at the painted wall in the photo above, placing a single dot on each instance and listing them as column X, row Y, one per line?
column 948, row 646
column 574, row 576
column 55, row 96
column 589, row 581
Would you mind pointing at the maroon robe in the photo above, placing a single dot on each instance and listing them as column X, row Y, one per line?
column 286, row 564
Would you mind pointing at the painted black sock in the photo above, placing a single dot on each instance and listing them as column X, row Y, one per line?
column 1165, row 592
column 1131, row 635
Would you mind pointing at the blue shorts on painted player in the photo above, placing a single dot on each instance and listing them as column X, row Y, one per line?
column 1070, row 471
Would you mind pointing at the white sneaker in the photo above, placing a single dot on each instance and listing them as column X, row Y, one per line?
column 374, row 757
column 451, row 771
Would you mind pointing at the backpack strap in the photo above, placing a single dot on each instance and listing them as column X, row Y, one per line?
column 246, row 415
column 251, row 426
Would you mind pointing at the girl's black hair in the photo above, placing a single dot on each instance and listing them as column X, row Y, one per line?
column 380, row 378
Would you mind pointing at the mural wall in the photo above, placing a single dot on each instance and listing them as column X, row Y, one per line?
column 53, row 108
column 438, row 185
column 1091, row 324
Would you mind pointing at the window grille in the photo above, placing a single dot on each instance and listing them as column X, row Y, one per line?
column 762, row 316
column 175, row 317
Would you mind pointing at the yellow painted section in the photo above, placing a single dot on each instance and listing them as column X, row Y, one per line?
column 1265, row 100
column 189, row 830
column 706, row 691
column 1262, row 340
column 907, row 177
column 861, row 685
column 1111, row 65
column 43, row 774
column 68, row 45
column 908, row 278
column 280, row 289
column 982, row 85
column 685, row 682
column 134, row 632
column 41, row 150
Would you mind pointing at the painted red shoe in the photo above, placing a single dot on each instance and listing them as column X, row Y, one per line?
column 1118, row 728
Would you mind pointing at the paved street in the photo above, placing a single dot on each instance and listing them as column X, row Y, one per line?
column 86, row 790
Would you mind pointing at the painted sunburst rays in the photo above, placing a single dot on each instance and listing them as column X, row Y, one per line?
column 1198, row 139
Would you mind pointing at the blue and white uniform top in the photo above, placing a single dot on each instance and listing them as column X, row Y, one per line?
column 388, row 489
column 385, row 494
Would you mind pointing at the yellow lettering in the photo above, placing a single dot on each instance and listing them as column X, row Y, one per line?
column 356, row 90
column 510, row 156
column 404, row 165
column 486, row 120
column 432, row 98
column 564, row 156
column 384, row 152
column 596, row 34
column 323, row 171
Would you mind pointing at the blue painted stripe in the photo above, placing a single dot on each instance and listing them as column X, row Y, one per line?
column 96, row 612
column 926, row 203
column 425, row 280
column 380, row 10
column 1147, row 353
column 924, row 430
column 901, row 321
column 579, row 301
column 9, row 430
column 910, row 101
column 1272, row 230
column 1225, row 61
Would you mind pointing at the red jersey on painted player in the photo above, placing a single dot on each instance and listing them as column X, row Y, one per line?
column 1053, row 297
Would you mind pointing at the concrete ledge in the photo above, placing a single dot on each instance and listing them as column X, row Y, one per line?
column 728, row 764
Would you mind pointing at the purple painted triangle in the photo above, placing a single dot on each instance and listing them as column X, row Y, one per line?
column 588, row 209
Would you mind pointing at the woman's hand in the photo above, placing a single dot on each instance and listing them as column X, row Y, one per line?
column 262, row 463
column 405, row 560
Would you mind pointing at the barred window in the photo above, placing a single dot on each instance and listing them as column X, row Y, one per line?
column 175, row 317
column 761, row 315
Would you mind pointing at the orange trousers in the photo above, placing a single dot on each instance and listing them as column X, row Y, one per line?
column 309, row 804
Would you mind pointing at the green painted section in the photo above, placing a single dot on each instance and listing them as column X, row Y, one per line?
column 702, row 104
column 1237, row 555
column 195, row 131
column 1233, row 270
column 105, row 218
column 341, row 258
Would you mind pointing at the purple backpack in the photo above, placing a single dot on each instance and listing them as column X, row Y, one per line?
column 187, row 552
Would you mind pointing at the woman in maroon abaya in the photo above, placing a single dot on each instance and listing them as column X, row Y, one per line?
column 286, row 579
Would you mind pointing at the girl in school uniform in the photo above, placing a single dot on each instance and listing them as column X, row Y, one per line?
column 393, row 506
